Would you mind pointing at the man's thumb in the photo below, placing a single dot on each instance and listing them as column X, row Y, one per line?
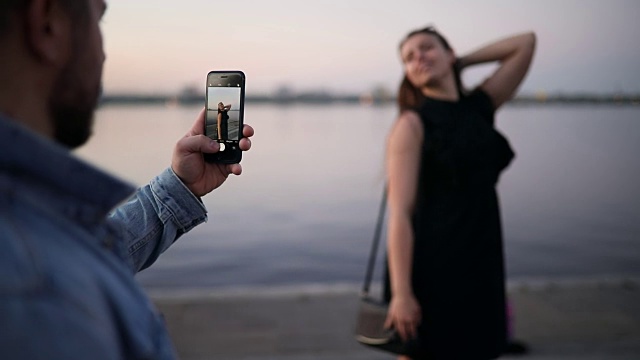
column 198, row 143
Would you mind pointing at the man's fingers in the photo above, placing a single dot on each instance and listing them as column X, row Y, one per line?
column 235, row 169
column 247, row 131
column 198, row 143
column 245, row 144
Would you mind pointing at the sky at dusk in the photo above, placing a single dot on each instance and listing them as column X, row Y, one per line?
column 347, row 46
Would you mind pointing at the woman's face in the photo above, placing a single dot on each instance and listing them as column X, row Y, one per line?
column 220, row 106
column 426, row 61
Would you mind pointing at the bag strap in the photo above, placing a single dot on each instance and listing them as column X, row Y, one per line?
column 374, row 245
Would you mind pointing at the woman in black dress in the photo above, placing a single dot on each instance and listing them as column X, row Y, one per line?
column 223, row 121
column 445, row 260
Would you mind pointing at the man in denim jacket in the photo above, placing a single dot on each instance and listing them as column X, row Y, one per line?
column 67, row 258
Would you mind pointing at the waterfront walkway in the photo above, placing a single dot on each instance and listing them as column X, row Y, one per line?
column 560, row 320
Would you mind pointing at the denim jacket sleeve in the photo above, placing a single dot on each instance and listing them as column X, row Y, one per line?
column 154, row 217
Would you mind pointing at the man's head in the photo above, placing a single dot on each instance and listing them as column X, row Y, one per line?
column 56, row 47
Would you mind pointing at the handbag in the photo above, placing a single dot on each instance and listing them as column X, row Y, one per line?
column 372, row 313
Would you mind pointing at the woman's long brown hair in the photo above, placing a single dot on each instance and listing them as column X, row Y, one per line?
column 410, row 97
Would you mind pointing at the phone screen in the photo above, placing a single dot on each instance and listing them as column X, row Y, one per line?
column 225, row 108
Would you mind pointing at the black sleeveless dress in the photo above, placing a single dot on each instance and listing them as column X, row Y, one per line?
column 224, row 124
column 458, row 267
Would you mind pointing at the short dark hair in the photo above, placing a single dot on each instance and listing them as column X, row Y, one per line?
column 76, row 8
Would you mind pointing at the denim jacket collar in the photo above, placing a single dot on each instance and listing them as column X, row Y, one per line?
column 65, row 183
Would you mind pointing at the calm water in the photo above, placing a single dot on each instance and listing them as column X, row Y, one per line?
column 304, row 209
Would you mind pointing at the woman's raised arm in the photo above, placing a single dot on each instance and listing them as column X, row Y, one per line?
column 514, row 54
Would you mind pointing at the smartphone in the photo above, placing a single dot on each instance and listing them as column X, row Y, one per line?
column 224, row 116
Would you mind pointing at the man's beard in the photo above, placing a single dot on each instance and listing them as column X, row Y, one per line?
column 72, row 107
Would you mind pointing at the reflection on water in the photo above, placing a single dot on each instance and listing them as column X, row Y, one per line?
column 304, row 208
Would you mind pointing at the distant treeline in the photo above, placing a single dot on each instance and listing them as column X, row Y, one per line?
column 325, row 98
column 578, row 99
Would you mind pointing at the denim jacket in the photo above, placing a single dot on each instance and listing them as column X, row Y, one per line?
column 68, row 259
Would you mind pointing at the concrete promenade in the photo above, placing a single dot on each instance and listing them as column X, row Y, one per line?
column 561, row 320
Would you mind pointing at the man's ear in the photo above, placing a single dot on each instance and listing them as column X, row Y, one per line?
column 49, row 31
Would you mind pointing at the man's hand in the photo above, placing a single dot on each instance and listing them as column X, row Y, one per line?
column 188, row 162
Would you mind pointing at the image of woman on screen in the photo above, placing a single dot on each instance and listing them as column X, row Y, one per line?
column 223, row 121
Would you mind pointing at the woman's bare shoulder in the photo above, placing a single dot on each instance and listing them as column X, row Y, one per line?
column 406, row 130
column 408, row 121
